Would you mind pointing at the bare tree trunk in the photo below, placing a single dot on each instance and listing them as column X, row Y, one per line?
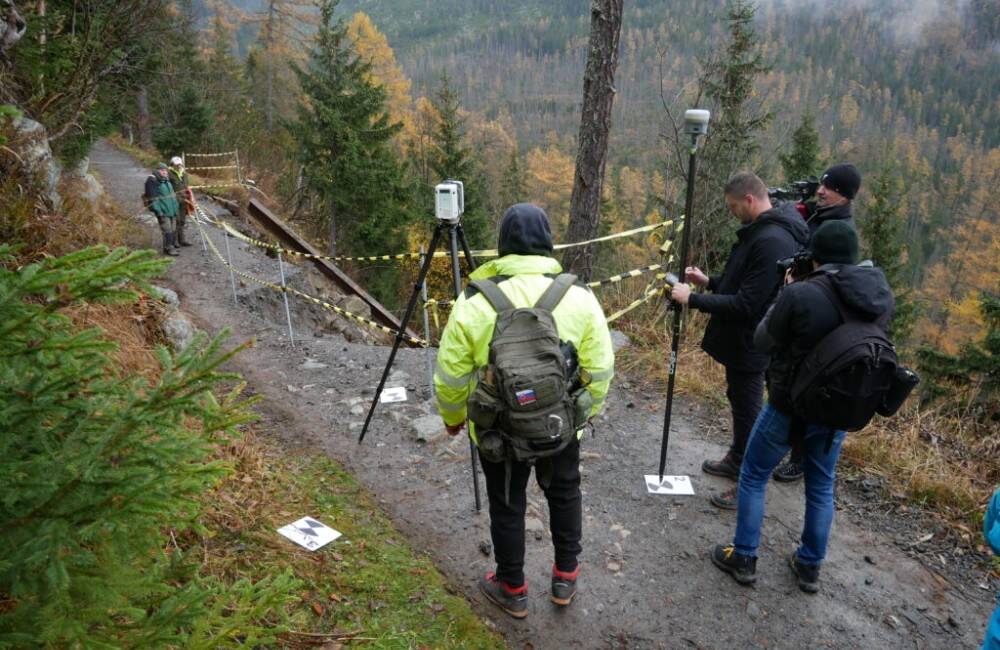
column 332, row 248
column 142, row 119
column 269, row 42
column 595, row 125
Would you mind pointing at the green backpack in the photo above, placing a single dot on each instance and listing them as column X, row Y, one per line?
column 529, row 401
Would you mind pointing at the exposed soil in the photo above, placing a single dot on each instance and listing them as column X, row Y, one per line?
column 646, row 581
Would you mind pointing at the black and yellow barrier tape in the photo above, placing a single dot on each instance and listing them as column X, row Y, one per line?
column 212, row 167
column 215, row 185
column 305, row 296
column 401, row 256
column 434, row 303
column 210, row 155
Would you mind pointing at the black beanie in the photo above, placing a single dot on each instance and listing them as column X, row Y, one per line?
column 834, row 242
column 843, row 179
column 524, row 230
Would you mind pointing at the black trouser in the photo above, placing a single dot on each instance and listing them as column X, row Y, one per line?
column 745, row 391
column 507, row 518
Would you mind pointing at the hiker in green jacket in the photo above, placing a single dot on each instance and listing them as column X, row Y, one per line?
column 162, row 201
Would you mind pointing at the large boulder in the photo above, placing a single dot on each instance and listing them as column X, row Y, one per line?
column 12, row 26
column 30, row 142
column 178, row 330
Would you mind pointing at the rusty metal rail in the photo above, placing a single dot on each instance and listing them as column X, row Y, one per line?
column 283, row 233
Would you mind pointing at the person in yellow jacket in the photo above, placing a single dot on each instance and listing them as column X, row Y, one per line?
column 523, row 272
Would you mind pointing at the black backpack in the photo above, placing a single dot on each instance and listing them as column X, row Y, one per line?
column 851, row 374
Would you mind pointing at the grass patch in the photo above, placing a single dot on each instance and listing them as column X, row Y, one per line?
column 697, row 374
column 368, row 585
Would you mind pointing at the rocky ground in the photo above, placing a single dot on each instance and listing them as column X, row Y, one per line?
column 646, row 581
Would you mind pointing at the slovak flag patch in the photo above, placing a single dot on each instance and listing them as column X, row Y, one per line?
column 525, row 397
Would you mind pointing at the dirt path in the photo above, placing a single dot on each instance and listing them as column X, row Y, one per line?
column 646, row 582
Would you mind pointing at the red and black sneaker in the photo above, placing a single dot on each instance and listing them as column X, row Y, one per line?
column 564, row 585
column 513, row 600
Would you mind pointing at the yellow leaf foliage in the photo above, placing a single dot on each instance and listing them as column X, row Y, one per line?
column 371, row 45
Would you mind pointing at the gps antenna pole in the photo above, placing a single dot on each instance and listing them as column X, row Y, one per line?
column 695, row 124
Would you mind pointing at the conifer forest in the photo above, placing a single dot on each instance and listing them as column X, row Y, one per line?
column 343, row 116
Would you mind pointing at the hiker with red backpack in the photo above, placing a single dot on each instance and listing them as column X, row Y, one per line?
column 832, row 367
column 527, row 357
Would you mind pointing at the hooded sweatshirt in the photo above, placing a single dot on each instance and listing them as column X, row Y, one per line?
column 803, row 314
column 835, row 213
column 741, row 294
column 523, row 273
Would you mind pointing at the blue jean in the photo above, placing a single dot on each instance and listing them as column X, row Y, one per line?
column 769, row 442
column 992, row 640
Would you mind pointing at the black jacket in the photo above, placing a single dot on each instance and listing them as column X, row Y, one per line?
column 804, row 313
column 747, row 285
column 837, row 212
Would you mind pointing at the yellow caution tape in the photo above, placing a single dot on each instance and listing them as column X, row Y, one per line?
column 210, row 155
column 213, row 167
column 414, row 256
column 277, row 287
column 200, row 187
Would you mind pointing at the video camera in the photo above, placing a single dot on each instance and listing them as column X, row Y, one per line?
column 799, row 191
column 800, row 265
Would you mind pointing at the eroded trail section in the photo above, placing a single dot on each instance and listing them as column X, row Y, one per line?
column 646, row 581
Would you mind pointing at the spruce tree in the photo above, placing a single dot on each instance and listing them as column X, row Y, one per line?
column 882, row 239
column 803, row 160
column 976, row 366
column 96, row 465
column 726, row 87
column 512, row 184
column 345, row 139
column 450, row 158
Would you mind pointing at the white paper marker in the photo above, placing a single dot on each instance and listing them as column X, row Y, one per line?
column 309, row 533
column 677, row 485
column 397, row 394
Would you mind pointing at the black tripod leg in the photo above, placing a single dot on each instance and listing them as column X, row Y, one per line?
column 458, row 235
column 402, row 328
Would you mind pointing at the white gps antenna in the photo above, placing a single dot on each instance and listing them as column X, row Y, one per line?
column 696, row 121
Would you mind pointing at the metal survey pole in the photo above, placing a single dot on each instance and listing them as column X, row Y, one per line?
column 284, row 295
column 428, row 353
column 232, row 277
column 695, row 125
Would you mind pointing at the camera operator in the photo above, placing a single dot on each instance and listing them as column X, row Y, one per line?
column 834, row 197
column 804, row 313
column 738, row 300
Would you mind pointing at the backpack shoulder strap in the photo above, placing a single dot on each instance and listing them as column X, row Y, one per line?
column 556, row 291
column 493, row 295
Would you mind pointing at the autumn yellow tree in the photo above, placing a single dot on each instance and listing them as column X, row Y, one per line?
column 549, row 176
column 372, row 46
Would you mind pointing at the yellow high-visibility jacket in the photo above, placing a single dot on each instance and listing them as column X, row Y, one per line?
column 465, row 343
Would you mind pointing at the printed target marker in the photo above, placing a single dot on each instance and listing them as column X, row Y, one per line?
column 309, row 533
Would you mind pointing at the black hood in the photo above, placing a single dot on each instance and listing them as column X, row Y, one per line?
column 862, row 288
column 822, row 215
column 786, row 216
column 524, row 230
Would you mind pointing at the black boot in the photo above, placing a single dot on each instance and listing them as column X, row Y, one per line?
column 743, row 568
column 168, row 245
column 728, row 467
column 806, row 574
column 788, row 472
column 563, row 585
column 513, row 600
